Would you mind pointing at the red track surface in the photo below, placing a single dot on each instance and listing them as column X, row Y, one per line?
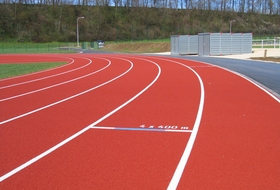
column 97, row 123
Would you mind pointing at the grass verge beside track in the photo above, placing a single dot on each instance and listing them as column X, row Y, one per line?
column 10, row 70
column 274, row 59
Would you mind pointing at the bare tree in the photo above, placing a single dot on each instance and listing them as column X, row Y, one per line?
column 270, row 5
column 242, row 6
column 135, row 3
column 116, row 2
column 145, row 3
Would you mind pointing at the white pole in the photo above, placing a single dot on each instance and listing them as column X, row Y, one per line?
column 78, row 30
column 230, row 25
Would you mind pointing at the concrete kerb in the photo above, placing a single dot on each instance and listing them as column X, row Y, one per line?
column 256, row 52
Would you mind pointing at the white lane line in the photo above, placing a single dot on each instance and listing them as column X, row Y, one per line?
column 263, row 88
column 58, row 84
column 186, row 154
column 141, row 129
column 63, row 100
column 14, row 171
column 30, row 81
column 33, row 160
column 10, row 78
column 259, row 85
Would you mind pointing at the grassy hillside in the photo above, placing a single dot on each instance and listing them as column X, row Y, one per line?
column 157, row 47
column 145, row 47
column 47, row 23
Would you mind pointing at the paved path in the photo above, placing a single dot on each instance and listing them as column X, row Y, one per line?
column 257, row 52
column 266, row 73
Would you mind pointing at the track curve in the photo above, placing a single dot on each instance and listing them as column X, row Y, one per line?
column 131, row 128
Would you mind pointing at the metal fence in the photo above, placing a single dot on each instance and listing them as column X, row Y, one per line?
column 45, row 47
column 266, row 43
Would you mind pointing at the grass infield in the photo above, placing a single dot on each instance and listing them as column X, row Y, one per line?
column 11, row 70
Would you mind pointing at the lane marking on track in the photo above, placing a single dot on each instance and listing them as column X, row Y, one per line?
column 259, row 85
column 63, row 100
column 58, row 84
column 200, row 66
column 186, row 154
column 140, row 129
column 38, row 72
column 38, row 79
column 33, row 160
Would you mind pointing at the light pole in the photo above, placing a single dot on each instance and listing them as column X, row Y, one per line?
column 78, row 30
column 230, row 25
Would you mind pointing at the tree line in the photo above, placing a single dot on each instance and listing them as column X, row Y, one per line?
column 57, row 20
column 255, row 6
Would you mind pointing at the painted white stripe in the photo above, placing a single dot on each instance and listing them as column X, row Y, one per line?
column 35, row 80
column 186, row 154
column 179, row 131
column 253, row 82
column 9, row 174
column 14, row 171
column 63, row 100
column 10, row 78
column 246, row 78
column 55, row 85
column 141, row 129
column 99, row 127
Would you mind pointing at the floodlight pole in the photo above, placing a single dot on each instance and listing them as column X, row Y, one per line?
column 230, row 25
column 78, row 30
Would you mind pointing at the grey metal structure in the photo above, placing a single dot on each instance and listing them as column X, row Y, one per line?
column 224, row 43
column 174, row 45
column 184, row 44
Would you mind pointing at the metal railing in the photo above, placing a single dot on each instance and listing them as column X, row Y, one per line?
column 266, row 43
column 45, row 47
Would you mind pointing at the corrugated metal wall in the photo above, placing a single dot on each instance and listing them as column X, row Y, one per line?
column 204, row 44
column 185, row 44
column 188, row 44
column 226, row 43
column 247, row 39
column 174, row 45
column 212, row 44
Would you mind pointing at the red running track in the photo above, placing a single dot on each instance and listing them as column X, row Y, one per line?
column 136, row 122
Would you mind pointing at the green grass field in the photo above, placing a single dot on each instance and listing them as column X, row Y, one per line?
column 10, row 70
